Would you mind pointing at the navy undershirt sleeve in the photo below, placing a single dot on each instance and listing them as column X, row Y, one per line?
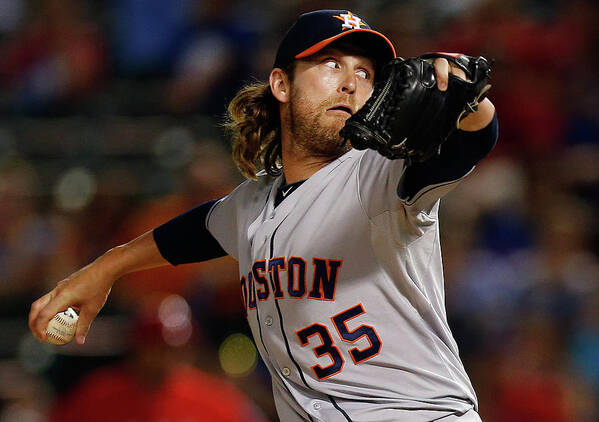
column 185, row 239
column 458, row 156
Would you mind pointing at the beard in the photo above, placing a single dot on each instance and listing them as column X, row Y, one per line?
column 315, row 134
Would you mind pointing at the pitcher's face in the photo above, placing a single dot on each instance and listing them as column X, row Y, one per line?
column 327, row 88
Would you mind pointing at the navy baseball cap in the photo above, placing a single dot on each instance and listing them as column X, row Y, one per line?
column 313, row 31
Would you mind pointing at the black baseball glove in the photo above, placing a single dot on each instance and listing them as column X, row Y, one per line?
column 407, row 116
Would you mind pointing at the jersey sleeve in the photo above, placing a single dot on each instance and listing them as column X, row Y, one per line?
column 422, row 184
column 186, row 239
column 222, row 224
column 210, row 230
column 387, row 185
column 377, row 180
column 230, row 216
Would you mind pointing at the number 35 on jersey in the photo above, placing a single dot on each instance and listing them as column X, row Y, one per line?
column 286, row 278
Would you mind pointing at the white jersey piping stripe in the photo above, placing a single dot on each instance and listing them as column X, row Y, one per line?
column 359, row 188
column 430, row 188
column 210, row 212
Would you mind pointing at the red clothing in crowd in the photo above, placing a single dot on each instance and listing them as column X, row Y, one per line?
column 186, row 395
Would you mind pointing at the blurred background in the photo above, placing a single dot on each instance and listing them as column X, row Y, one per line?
column 111, row 123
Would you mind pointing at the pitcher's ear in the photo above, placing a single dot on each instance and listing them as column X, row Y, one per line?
column 280, row 84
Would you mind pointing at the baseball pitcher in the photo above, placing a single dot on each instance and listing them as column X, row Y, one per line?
column 347, row 151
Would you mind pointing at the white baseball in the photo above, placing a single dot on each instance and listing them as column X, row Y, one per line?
column 61, row 328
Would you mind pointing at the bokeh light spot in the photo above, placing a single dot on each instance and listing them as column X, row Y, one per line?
column 75, row 189
column 237, row 355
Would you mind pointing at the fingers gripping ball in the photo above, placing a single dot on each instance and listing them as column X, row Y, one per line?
column 61, row 328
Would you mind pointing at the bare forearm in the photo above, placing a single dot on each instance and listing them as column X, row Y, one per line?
column 88, row 288
column 139, row 254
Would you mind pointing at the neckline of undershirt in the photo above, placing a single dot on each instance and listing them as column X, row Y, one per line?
column 285, row 190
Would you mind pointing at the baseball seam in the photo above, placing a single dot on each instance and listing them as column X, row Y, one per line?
column 55, row 336
column 64, row 321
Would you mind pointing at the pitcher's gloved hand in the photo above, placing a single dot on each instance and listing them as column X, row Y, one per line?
column 407, row 116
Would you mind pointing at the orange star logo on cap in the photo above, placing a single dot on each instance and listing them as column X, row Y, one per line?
column 350, row 21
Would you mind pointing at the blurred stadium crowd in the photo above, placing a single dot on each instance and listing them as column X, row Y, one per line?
column 110, row 123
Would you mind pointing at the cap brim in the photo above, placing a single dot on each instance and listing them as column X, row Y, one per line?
column 377, row 36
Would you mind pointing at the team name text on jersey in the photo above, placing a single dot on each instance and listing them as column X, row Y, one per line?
column 288, row 278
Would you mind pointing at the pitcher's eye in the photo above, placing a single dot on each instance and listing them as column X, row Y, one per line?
column 332, row 64
column 362, row 73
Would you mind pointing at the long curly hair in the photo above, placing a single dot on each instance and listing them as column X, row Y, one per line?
column 254, row 123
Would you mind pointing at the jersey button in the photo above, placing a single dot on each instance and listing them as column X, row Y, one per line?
column 268, row 320
column 286, row 371
column 316, row 405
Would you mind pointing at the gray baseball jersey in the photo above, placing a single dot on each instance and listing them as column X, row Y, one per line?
column 342, row 283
